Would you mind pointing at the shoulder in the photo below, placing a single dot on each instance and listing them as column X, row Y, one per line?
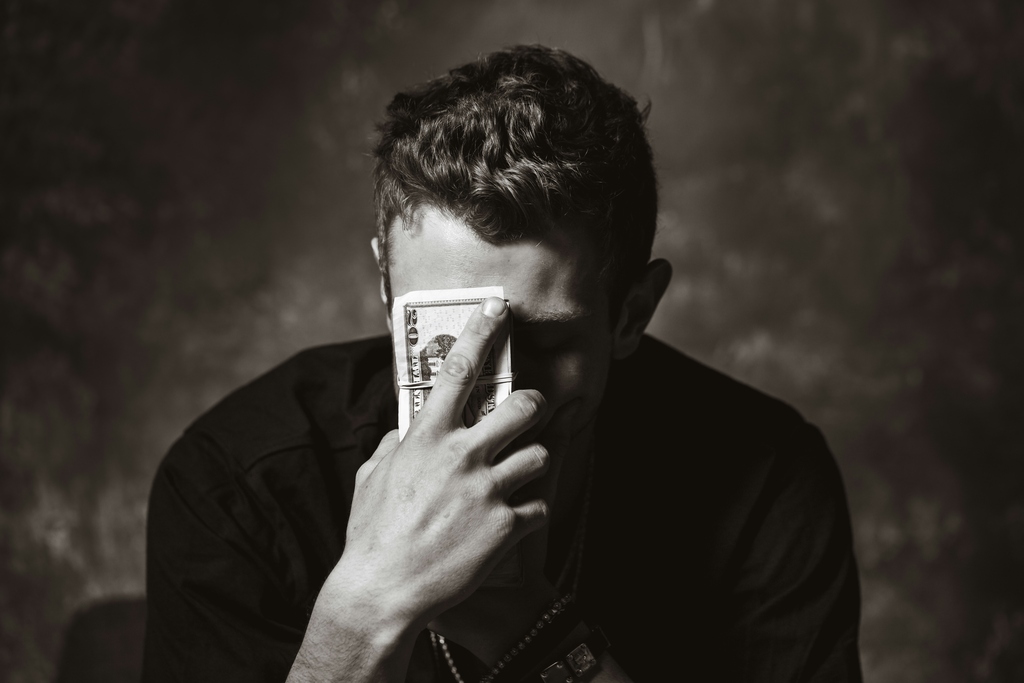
column 247, row 512
column 270, row 467
column 324, row 393
column 698, row 444
column 323, row 396
column 750, row 493
column 664, row 382
column 729, row 432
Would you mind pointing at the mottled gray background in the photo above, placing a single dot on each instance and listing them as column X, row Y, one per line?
column 185, row 202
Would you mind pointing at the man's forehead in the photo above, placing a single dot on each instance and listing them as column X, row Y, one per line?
column 438, row 226
column 546, row 279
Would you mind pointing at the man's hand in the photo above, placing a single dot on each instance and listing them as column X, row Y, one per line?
column 430, row 518
column 431, row 515
column 492, row 619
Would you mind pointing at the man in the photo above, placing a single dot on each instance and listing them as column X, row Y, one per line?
column 703, row 525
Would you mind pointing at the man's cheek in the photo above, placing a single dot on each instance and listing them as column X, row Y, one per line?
column 537, row 371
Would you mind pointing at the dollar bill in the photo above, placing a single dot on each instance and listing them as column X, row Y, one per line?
column 425, row 326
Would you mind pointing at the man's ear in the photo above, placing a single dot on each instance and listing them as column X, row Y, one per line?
column 638, row 307
column 375, row 246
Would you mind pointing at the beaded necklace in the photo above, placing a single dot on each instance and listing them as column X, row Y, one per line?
column 574, row 557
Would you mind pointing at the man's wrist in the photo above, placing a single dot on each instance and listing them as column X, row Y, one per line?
column 351, row 629
column 350, row 596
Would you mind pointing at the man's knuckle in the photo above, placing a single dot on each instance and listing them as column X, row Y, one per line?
column 506, row 522
column 529, row 404
column 458, row 368
column 459, row 451
column 539, row 511
column 478, row 325
column 541, row 456
column 492, row 487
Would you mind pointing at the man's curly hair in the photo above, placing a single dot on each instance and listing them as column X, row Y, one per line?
column 515, row 143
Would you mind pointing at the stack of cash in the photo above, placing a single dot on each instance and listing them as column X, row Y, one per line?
column 425, row 325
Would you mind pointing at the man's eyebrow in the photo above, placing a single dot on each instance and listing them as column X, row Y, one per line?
column 542, row 317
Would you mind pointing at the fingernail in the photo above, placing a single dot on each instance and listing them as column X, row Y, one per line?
column 493, row 307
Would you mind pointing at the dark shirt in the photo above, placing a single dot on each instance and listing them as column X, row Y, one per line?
column 718, row 543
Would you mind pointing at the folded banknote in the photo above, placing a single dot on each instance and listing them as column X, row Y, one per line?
column 426, row 325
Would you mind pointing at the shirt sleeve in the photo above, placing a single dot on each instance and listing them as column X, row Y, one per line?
column 216, row 609
column 796, row 599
